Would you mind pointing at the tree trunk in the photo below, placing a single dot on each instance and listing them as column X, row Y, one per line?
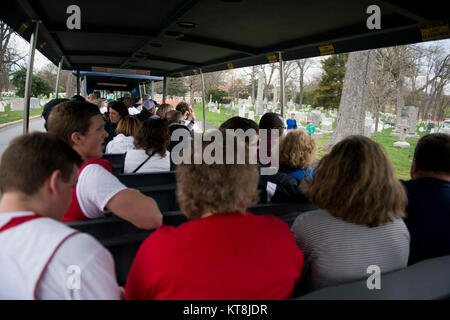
column 301, row 89
column 352, row 107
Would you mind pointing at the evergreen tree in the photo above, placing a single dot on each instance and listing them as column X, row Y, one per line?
column 328, row 94
column 38, row 86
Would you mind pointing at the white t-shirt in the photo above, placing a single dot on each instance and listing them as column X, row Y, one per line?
column 120, row 144
column 135, row 157
column 95, row 187
column 133, row 110
column 78, row 255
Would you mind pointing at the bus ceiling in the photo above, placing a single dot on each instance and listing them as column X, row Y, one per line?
column 175, row 38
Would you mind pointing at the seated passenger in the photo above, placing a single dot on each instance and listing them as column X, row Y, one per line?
column 274, row 124
column 188, row 115
column 116, row 111
column 276, row 187
column 49, row 107
column 126, row 130
column 98, row 192
column 297, row 150
column 150, row 148
column 37, row 173
column 224, row 252
column 163, row 109
column 428, row 210
column 359, row 223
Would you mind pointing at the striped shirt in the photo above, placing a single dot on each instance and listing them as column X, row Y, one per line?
column 338, row 251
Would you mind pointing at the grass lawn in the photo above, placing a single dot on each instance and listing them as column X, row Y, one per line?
column 216, row 119
column 9, row 115
column 401, row 159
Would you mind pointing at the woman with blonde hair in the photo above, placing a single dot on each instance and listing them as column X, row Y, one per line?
column 297, row 150
column 163, row 109
column 124, row 140
column 359, row 223
column 150, row 148
column 224, row 252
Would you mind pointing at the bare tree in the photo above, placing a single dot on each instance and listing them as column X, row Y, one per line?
column 303, row 65
column 8, row 56
column 352, row 107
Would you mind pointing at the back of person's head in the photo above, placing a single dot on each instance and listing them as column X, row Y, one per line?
column 128, row 126
column 91, row 97
column 216, row 187
column 153, row 136
column 137, row 99
column 148, row 105
column 77, row 97
column 271, row 120
column 163, row 109
column 432, row 153
column 127, row 100
column 174, row 116
column 120, row 107
column 183, row 107
column 70, row 117
column 297, row 149
column 49, row 107
column 31, row 159
column 356, row 183
column 235, row 123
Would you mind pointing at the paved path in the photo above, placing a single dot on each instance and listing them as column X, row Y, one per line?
column 10, row 132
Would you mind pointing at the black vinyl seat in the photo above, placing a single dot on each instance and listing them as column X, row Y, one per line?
column 123, row 239
column 138, row 180
column 117, row 160
column 425, row 280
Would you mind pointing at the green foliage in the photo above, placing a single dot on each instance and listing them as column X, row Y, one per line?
column 38, row 86
column 217, row 95
column 308, row 97
column 328, row 94
column 176, row 87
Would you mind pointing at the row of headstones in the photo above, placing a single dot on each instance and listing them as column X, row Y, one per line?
column 17, row 104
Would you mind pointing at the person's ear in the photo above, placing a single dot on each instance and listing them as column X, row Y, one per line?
column 54, row 181
column 75, row 137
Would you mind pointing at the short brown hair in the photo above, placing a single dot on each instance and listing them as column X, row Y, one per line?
column 69, row 117
column 153, row 135
column 356, row 182
column 128, row 126
column 182, row 107
column 297, row 149
column 432, row 153
column 31, row 159
column 216, row 188
column 162, row 110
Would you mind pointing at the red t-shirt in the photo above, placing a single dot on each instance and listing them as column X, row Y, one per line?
column 74, row 213
column 219, row 257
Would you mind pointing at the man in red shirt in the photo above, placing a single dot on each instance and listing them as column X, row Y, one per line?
column 226, row 252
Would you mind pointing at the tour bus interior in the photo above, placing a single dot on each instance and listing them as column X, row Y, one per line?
column 176, row 38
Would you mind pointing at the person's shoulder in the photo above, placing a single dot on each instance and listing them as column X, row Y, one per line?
column 159, row 236
column 101, row 162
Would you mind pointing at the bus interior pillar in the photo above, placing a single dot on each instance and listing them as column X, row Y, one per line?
column 203, row 100
column 58, row 76
column 281, row 82
column 26, row 109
